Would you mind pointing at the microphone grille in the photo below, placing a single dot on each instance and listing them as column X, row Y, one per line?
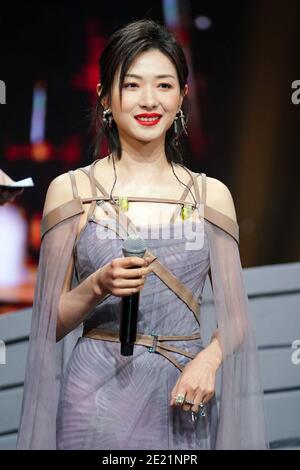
column 134, row 244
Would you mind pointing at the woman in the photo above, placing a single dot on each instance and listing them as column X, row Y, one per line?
column 166, row 400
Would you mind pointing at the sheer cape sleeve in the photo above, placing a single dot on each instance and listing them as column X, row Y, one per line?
column 45, row 357
column 241, row 411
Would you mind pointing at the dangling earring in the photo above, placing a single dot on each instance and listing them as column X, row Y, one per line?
column 107, row 117
column 183, row 123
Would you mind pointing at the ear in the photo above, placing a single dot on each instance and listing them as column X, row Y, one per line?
column 104, row 101
column 98, row 88
column 185, row 92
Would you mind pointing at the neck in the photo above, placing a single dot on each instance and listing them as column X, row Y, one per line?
column 138, row 166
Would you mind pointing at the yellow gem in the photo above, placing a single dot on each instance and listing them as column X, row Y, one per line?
column 186, row 211
column 123, row 203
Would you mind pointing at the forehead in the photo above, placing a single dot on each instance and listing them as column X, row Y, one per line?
column 152, row 61
column 148, row 64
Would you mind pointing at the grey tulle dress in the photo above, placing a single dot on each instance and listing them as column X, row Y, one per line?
column 103, row 400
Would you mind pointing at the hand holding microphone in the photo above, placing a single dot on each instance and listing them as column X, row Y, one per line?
column 125, row 277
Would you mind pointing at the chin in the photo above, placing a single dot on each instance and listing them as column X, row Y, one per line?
column 142, row 137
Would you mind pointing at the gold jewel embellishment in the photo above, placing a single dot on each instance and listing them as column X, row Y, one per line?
column 123, row 203
column 186, row 211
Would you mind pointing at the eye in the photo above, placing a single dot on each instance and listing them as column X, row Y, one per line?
column 128, row 85
column 133, row 85
column 167, row 85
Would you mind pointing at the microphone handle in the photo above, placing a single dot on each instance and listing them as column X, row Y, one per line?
column 128, row 323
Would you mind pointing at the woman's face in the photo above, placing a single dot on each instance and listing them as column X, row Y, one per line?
column 151, row 86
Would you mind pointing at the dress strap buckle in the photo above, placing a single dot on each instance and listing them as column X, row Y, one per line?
column 152, row 348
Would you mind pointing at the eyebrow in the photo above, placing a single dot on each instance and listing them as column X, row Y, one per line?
column 157, row 76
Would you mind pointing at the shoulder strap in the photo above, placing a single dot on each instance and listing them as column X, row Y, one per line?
column 182, row 199
column 195, row 185
column 60, row 213
column 216, row 217
column 223, row 221
column 73, row 183
column 64, row 211
column 203, row 186
column 90, row 174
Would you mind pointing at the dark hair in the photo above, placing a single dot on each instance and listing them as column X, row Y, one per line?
column 122, row 48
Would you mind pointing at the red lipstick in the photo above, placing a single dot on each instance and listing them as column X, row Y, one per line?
column 151, row 119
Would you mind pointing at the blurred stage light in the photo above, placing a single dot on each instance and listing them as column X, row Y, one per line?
column 202, row 22
column 37, row 131
column 171, row 13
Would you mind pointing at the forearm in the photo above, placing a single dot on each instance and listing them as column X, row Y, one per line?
column 213, row 352
column 75, row 305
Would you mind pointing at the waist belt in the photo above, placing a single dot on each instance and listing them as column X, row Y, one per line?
column 153, row 342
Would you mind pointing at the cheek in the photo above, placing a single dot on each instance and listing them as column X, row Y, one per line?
column 170, row 103
column 127, row 106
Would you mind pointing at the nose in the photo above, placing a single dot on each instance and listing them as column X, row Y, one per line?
column 149, row 99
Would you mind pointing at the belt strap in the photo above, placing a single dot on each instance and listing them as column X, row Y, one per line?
column 153, row 342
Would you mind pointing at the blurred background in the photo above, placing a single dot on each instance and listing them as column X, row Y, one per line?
column 243, row 130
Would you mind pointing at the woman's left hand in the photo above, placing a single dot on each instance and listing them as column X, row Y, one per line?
column 197, row 381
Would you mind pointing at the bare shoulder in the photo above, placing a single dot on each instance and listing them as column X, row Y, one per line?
column 60, row 190
column 218, row 196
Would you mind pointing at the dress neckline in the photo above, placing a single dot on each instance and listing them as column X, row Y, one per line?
column 192, row 182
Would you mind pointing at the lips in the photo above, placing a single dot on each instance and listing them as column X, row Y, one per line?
column 150, row 119
column 147, row 115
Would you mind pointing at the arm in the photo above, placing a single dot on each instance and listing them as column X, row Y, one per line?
column 220, row 198
column 75, row 304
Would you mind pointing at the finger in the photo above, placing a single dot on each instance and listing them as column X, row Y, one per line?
column 188, row 398
column 132, row 261
column 174, row 393
column 200, row 401
column 179, row 396
column 173, row 396
column 193, row 402
column 126, row 292
column 129, row 283
column 207, row 397
column 135, row 272
column 195, row 408
column 172, row 401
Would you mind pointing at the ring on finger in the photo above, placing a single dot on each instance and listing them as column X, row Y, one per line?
column 179, row 399
column 189, row 402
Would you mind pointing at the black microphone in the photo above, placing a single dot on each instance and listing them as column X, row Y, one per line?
column 134, row 245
